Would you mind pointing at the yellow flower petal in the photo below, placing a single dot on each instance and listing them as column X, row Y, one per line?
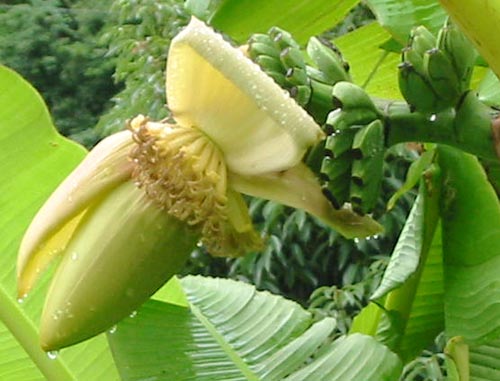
column 216, row 88
column 299, row 188
column 104, row 167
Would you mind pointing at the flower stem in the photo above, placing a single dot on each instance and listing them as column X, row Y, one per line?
column 469, row 128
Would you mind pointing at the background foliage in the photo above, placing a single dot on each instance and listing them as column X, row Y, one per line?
column 55, row 45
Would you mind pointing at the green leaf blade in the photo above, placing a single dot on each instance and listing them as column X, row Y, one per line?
column 34, row 159
column 227, row 337
column 303, row 19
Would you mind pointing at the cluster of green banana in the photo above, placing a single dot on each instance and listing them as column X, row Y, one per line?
column 354, row 150
column 280, row 57
column 435, row 72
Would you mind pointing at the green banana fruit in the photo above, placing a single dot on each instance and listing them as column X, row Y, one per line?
column 417, row 89
column 352, row 97
column 442, row 76
column 460, row 52
column 367, row 172
column 337, row 173
column 421, row 39
column 328, row 60
column 262, row 46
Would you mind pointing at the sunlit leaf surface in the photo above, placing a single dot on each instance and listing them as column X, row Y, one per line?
column 303, row 19
column 400, row 16
column 34, row 158
column 233, row 332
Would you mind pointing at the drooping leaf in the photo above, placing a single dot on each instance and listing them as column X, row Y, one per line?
column 408, row 312
column 233, row 332
column 406, row 255
column 400, row 16
column 34, row 159
column 426, row 318
column 412, row 177
column 303, row 19
column 471, row 248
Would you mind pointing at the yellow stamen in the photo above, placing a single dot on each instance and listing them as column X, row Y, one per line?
column 185, row 173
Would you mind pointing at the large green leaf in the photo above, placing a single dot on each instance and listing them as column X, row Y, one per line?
column 410, row 297
column 303, row 19
column 233, row 332
column 406, row 255
column 471, row 249
column 485, row 361
column 400, row 16
column 426, row 318
column 371, row 66
column 34, row 158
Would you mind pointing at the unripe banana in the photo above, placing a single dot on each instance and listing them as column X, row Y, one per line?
column 367, row 172
column 343, row 120
column 460, row 52
column 268, row 63
column 421, row 39
column 282, row 38
column 279, row 78
column 317, row 76
column 411, row 56
column 328, row 60
column 262, row 46
column 337, row 173
column 442, row 76
column 292, row 57
column 417, row 90
column 341, row 141
column 297, row 76
column 301, row 93
column 352, row 97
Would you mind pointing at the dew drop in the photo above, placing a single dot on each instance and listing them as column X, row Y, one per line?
column 74, row 256
column 113, row 329
column 52, row 354
column 433, row 118
column 22, row 298
column 356, row 240
column 133, row 314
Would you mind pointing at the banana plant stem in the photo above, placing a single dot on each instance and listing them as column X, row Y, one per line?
column 468, row 128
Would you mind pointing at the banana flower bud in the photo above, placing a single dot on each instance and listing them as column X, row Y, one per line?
column 128, row 217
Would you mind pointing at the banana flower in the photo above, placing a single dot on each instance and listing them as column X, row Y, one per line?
column 129, row 215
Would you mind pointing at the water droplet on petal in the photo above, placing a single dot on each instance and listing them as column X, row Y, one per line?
column 52, row 354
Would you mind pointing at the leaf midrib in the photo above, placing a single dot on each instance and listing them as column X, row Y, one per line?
column 231, row 353
column 26, row 334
